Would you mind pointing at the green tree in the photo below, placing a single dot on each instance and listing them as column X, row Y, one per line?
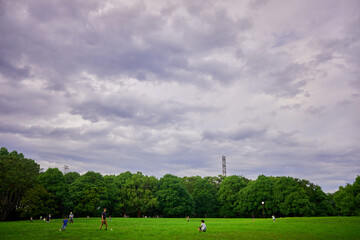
column 17, row 175
column 291, row 198
column 110, row 202
column 120, row 204
column 139, row 192
column 228, row 194
column 297, row 203
column 190, row 183
column 347, row 199
column 89, row 194
column 251, row 197
column 174, row 199
column 70, row 177
column 204, row 195
column 54, row 182
column 215, row 181
column 38, row 202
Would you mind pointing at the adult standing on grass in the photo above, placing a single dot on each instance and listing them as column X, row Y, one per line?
column 103, row 219
column 71, row 216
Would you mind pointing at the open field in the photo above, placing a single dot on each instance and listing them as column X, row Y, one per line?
column 176, row 228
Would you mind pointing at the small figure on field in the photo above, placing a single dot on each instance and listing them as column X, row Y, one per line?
column 103, row 219
column 188, row 218
column 40, row 217
column 109, row 217
column 71, row 217
column 202, row 227
column 273, row 216
column 48, row 219
column 31, row 219
column 65, row 221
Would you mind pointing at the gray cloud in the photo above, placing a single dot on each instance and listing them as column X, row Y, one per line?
column 112, row 86
column 233, row 135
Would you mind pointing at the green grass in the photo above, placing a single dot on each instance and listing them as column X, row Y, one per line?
column 176, row 228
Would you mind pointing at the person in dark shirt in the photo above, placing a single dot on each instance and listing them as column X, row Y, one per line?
column 103, row 219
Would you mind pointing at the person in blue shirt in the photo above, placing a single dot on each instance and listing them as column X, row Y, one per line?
column 65, row 221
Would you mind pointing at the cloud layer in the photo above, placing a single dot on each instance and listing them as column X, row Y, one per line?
column 171, row 86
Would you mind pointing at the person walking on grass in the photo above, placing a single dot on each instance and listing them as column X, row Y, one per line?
column 103, row 219
column 202, row 227
column 273, row 217
column 65, row 221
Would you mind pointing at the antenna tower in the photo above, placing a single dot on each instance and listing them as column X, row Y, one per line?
column 224, row 166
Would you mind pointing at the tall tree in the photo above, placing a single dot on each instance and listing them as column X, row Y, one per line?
column 228, row 194
column 291, row 199
column 70, row 177
column 17, row 175
column 347, row 199
column 251, row 197
column 54, row 182
column 89, row 194
column 174, row 199
column 38, row 202
column 204, row 195
column 190, row 183
column 140, row 193
column 120, row 204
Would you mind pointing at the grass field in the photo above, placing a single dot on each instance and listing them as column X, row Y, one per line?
column 176, row 228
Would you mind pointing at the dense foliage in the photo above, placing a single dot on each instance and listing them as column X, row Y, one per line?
column 26, row 191
column 17, row 175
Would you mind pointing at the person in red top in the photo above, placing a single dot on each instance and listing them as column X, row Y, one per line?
column 103, row 219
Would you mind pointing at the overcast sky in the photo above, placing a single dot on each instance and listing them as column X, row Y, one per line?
column 171, row 86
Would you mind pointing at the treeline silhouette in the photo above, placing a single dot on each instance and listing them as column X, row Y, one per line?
column 27, row 191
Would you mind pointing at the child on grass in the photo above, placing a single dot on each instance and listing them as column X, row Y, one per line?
column 65, row 221
column 202, row 227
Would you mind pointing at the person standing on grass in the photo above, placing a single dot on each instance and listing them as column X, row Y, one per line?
column 71, row 217
column 273, row 216
column 65, row 221
column 103, row 219
column 202, row 227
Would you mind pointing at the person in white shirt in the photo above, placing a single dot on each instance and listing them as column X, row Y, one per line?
column 202, row 227
column 71, row 216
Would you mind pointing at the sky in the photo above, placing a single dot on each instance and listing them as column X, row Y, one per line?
column 171, row 86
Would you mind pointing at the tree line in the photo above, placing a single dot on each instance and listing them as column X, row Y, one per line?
column 26, row 190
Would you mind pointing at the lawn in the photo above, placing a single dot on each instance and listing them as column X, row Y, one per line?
column 176, row 228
